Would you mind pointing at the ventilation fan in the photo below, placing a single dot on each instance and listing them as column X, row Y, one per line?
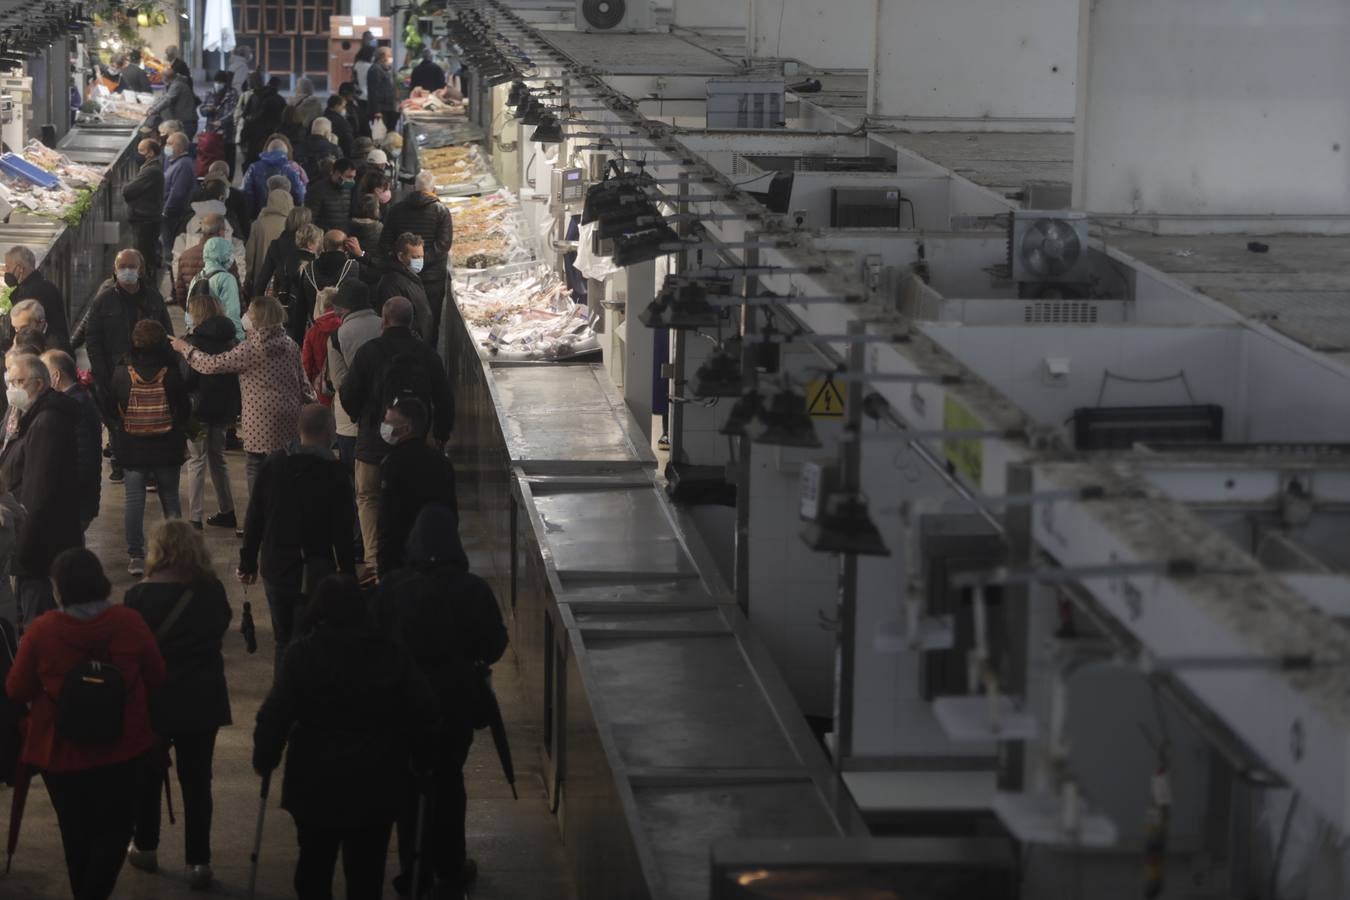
column 615, row 15
column 1048, row 247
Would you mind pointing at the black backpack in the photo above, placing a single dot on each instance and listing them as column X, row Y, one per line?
column 92, row 703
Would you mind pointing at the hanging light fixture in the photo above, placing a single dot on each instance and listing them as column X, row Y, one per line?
column 549, row 130
column 720, row 373
column 786, row 422
column 845, row 527
column 743, row 421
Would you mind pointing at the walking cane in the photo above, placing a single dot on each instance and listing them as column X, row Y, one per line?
column 257, row 836
column 417, row 845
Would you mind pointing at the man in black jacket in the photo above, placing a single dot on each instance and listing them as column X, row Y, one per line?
column 403, row 279
column 450, row 626
column 22, row 275
column 385, row 368
column 412, row 475
column 331, row 197
column 36, row 466
column 382, row 99
column 88, row 434
column 336, row 114
column 133, row 76
column 423, row 214
column 426, row 74
column 355, row 712
column 144, row 195
column 357, row 112
column 300, row 510
column 120, row 303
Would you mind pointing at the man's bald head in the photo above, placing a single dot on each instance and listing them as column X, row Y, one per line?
column 397, row 313
column 213, row 225
column 332, row 239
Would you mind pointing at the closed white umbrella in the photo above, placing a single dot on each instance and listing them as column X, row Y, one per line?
column 218, row 28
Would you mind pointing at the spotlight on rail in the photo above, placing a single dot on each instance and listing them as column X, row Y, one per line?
column 845, row 527
column 786, row 422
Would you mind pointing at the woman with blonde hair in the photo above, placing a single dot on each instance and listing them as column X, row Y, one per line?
column 184, row 605
column 215, row 406
column 272, row 384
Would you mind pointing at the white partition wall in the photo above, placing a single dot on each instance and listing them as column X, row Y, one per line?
column 1213, row 107
column 964, row 64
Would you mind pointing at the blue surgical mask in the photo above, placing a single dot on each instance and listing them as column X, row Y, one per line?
column 416, row 264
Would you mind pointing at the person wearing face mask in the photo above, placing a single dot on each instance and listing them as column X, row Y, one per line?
column 336, row 114
column 28, row 317
column 179, row 182
column 144, row 196
column 404, row 279
column 38, row 466
column 357, row 109
column 27, row 283
column 320, row 145
column 89, row 433
column 413, row 474
column 395, row 363
column 121, row 302
column 423, row 214
column 271, row 380
column 383, row 97
column 133, row 76
column 331, row 197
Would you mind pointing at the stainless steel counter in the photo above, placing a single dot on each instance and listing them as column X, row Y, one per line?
column 666, row 727
column 78, row 258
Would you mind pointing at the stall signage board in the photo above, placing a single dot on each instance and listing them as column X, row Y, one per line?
column 824, row 399
column 967, row 454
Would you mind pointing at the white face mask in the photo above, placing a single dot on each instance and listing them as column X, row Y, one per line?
column 18, row 398
column 387, row 432
column 128, row 277
column 416, row 264
column 248, row 323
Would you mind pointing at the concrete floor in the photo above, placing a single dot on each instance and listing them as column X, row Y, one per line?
column 516, row 842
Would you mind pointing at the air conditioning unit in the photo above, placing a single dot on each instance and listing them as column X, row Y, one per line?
column 602, row 16
column 1048, row 247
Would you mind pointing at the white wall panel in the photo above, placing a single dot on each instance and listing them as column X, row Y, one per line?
column 976, row 60
column 1214, row 107
column 828, row 35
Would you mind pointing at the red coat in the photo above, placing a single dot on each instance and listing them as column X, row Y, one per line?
column 53, row 645
column 314, row 355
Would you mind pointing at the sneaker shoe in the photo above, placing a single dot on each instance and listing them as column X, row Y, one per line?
column 136, row 567
column 117, row 476
column 197, row 525
column 107, row 453
column 222, row 520
column 145, row 860
column 151, row 487
column 199, row 877
column 663, row 442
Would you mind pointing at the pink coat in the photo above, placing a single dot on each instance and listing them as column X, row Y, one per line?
column 271, row 382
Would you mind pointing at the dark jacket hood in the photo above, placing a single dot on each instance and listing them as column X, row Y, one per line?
column 216, row 328
column 434, row 539
column 56, row 402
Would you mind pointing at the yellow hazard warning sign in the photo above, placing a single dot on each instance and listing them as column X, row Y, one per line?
column 825, row 399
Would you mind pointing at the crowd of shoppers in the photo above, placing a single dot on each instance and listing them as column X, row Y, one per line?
column 311, row 305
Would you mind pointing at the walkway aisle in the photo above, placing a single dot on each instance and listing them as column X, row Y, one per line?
column 516, row 843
